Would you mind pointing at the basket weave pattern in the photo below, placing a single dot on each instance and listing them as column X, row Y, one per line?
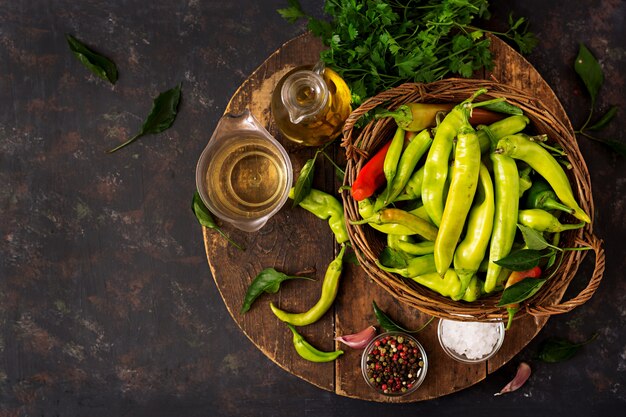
column 359, row 144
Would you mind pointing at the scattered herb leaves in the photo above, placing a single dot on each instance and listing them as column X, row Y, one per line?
column 205, row 219
column 161, row 117
column 554, row 349
column 590, row 72
column 389, row 325
column 98, row 64
column 268, row 280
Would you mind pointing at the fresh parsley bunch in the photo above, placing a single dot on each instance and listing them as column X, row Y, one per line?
column 376, row 44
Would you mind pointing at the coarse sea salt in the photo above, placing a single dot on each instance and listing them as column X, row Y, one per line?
column 473, row 340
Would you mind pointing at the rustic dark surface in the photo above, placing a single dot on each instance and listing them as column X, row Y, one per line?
column 107, row 306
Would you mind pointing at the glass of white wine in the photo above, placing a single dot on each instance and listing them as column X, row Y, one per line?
column 244, row 174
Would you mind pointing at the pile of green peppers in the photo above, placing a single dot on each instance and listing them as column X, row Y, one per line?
column 453, row 199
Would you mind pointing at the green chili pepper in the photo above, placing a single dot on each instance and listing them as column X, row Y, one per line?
column 330, row 286
column 326, row 206
column 406, row 165
column 520, row 147
column 447, row 285
column 541, row 196
column 421, row 213
column 460, row 196
column 309, row 352
column 366, row 208
column 411, row 224
column 508, row 126
column 474, row 289
column 407, row 245
column 471, row 251
column 419, row 265
column 416, row 248
column 413, row 188
column 390, row 164
column 542, row 221
column 525, row 183
column 506, row 180
column 436, row 165
column 366, row 211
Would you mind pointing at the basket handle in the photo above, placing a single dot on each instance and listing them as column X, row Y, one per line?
column 596, row 244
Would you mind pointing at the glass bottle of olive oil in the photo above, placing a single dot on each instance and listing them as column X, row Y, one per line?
column 310, row 105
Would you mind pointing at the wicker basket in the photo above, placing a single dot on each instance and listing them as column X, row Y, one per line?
column 360, row 143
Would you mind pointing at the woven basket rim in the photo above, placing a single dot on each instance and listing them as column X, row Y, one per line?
column 359, row 143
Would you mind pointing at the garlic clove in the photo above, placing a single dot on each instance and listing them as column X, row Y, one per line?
column 358, row 340
column 522, row 375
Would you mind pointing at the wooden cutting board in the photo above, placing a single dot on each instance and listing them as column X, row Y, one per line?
column 294, row 241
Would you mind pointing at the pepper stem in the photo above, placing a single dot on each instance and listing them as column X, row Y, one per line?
column 572, row 226
column 402, row 115
column 552, row 204
column 511, row 311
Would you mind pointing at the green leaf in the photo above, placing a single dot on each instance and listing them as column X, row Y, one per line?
column 205, row 219
column 504, row 107
column 551, row 260
column 532, row 238
column 553, row 350
column 303, row 185
column 96, row 63
column 615, row 145
column 521, row 291
column 161, row 117
column 589, row 70
column 521, row 260
column 605, row 119
column 392, row 258
column 351, row 258
column 202, row 212
column 389, row 325
column 268, row 281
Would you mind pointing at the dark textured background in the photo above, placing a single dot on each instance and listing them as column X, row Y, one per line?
column 107, row 306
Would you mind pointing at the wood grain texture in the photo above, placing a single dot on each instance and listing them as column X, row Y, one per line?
column 294, row 240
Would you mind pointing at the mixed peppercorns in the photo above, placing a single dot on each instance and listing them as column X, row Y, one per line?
column 394, row 364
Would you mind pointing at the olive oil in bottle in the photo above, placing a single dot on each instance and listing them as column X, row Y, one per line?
column 310, row 106
column 246, row 177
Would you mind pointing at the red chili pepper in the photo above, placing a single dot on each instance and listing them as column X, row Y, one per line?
column 514, row 278
column 371, row 177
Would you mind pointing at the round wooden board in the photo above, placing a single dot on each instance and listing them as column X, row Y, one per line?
column 295, row 241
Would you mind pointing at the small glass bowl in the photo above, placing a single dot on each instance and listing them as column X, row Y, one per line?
column 498, row 326
column 401, row 338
